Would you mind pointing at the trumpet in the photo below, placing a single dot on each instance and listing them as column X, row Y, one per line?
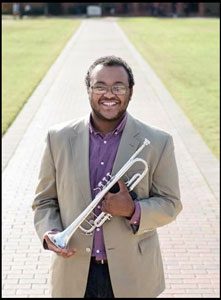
column 62, row 238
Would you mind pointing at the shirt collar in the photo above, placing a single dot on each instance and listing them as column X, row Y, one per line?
column 116, row 131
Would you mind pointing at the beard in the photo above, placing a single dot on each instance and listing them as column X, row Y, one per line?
column 108, row 116
column 102, row 117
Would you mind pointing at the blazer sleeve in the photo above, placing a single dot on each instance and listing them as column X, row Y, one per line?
column 164, row 203
column 45, row 204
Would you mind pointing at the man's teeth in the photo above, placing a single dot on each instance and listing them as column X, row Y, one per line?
column 109, row 103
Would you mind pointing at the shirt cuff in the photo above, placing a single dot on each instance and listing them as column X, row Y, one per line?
column 135, row 219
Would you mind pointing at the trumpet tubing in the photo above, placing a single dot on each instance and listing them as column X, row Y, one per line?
column 61, row 239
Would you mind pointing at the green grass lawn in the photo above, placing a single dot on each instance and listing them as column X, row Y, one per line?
column 29, row 47
column 185, row 55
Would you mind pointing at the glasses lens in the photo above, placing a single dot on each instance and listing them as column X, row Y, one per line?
column 99, row 89
column 119, row 89
column 115, row 89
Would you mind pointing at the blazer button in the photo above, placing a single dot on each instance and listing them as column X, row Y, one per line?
column 88, row 250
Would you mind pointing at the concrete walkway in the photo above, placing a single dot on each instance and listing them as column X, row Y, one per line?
column 190, row 245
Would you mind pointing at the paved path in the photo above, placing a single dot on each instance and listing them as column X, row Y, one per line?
column 190, row 245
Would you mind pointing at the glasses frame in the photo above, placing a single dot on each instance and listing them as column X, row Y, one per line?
column 110, row 87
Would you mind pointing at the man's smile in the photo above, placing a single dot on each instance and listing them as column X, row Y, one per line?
column 109, row 103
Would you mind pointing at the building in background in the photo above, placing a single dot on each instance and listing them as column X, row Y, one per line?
column 156, row 9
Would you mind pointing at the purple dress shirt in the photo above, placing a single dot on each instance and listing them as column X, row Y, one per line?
column 102, row 151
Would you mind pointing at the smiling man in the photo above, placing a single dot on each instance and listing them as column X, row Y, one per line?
column 122, row 257
column 109, row 93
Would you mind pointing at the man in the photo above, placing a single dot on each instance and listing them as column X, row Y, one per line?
column 121, row 258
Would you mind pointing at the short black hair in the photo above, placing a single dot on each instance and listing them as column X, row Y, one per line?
column 110, row 61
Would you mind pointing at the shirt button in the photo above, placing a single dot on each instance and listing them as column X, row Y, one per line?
column 97, row 251
column 88, row 250
column 99, row 207
column 102, row 163
column 105, row 142
column 98, row 229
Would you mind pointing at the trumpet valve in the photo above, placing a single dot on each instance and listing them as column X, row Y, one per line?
column 101, row 185
column 101, row 219
column 105, row 180
column 109, row 175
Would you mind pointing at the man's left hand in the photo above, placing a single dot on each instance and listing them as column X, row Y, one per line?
column 120, row 203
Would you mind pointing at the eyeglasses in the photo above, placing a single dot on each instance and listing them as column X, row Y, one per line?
column 117, row 89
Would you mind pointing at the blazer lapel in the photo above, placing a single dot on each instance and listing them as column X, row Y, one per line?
column 80, row 149
column 130, row 141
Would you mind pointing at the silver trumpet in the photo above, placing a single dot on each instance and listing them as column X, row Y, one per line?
column 61, row 239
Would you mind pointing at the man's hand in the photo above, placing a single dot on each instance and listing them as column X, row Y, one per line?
column 63, row 252
column 120, row 203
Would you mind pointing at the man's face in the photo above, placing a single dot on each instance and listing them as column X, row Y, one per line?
column 107, row 105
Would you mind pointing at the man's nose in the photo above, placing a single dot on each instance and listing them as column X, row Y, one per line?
column 109, row 93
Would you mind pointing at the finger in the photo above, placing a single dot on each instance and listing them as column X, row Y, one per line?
column 122, row 186
column 66, row 255
column 68, row 252
column 105, row 206
column 65, row 252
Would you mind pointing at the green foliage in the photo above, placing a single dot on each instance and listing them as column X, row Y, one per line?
column 30, row 46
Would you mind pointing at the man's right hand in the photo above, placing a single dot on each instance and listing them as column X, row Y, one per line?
column 62, row 252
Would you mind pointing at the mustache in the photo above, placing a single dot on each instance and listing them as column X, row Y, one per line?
column 109, row 99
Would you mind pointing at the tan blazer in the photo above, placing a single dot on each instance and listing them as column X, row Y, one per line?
column 63, row 191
